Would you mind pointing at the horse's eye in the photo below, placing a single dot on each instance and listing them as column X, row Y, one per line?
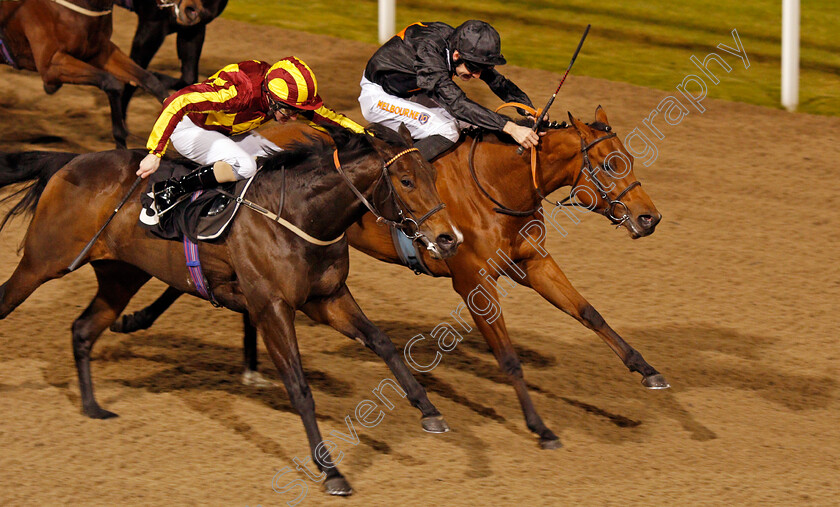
column 407, row 183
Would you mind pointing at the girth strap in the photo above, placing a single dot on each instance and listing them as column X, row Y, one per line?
column 194, row 265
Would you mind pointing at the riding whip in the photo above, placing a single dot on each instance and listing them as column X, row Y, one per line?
column 551, row 100
column 78, row 260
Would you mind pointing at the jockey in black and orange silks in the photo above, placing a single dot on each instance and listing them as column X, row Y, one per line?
column 213, row 123
column 410, row 80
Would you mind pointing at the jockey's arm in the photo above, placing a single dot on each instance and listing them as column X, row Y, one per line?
column 324, row 115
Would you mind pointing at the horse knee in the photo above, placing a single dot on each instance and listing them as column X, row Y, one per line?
column 511, row 366
column 591, row 318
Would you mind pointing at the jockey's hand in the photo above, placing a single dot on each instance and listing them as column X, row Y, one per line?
column 148, row 165
column 526, row 137
column 544, row 120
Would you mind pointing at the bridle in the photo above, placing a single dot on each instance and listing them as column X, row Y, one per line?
column 585, row 168
column 408, row 225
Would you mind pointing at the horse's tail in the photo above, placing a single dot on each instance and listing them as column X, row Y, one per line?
column 36, row 167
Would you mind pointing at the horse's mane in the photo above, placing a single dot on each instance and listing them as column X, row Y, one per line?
column 310, row 154
column 528, row 122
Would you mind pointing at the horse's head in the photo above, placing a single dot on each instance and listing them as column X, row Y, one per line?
column 411, row 197
column 605, row 182
column 193, row 12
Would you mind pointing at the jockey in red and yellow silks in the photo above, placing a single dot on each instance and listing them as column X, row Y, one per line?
column 213, row 122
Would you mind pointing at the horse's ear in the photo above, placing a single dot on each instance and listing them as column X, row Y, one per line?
column 577, row 124
column 406, row 135
column 601, row 115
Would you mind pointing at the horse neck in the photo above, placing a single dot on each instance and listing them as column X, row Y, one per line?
column 508, row 177
column 322, row 203
column 560, row 165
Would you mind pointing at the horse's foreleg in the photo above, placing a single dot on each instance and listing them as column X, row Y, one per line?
column 545, row 277
column 276, row 325
column 342, row 313
column 496, row 335
column 64, row 68
column 143, row 319
column 118, row 282
column 189, row 41
column 146, row 43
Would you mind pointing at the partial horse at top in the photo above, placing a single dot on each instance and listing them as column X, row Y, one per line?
column 159, row 18
column 71, row 43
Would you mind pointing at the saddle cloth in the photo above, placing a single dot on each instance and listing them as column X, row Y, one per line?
column 191, row 217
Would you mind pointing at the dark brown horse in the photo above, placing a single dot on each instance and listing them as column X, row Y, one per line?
column 155, row 20
column 70, row 42
column 260, row 268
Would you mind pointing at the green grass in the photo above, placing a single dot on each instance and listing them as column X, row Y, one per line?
column 645, row 43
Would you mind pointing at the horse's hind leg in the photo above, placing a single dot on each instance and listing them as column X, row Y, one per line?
column 342, row 313
column 118, row 282
column 63, row 68
column 544, row 276
column 250, row 375
column 28, row 276
column 143, row 319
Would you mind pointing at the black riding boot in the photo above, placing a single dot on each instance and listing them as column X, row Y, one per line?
column 168, row 193
column 432, row 146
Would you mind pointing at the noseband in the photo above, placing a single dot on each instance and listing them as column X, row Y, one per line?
column 408, row 225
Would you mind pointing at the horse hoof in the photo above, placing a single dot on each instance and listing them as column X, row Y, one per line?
column 656, row 381
column 550, row 443
column 434, row 424
column 338, row 486
column 255, row 379
column 99, row 413
column 118, row 326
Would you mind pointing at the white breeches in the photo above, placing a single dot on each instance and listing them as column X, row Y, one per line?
column 208, row 147
column 421, row 114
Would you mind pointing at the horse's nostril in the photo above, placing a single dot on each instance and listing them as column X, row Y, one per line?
column 445, row 240
column 646, row 221
column 191, row 12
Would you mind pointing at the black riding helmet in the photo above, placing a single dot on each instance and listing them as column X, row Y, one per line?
column 478, row 42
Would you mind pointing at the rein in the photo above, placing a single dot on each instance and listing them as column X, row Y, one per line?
column 586, row 166
column 414, row 223
column 410, row 223
column 81, row 10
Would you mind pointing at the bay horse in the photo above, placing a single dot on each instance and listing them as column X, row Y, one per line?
column 508, row 244
column 71, row 43
column 155, row 20
column 260, row 268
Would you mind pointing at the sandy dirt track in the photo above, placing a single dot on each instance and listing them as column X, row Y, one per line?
column 733, row 299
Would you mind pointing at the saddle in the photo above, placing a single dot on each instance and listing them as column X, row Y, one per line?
column 203, row 216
